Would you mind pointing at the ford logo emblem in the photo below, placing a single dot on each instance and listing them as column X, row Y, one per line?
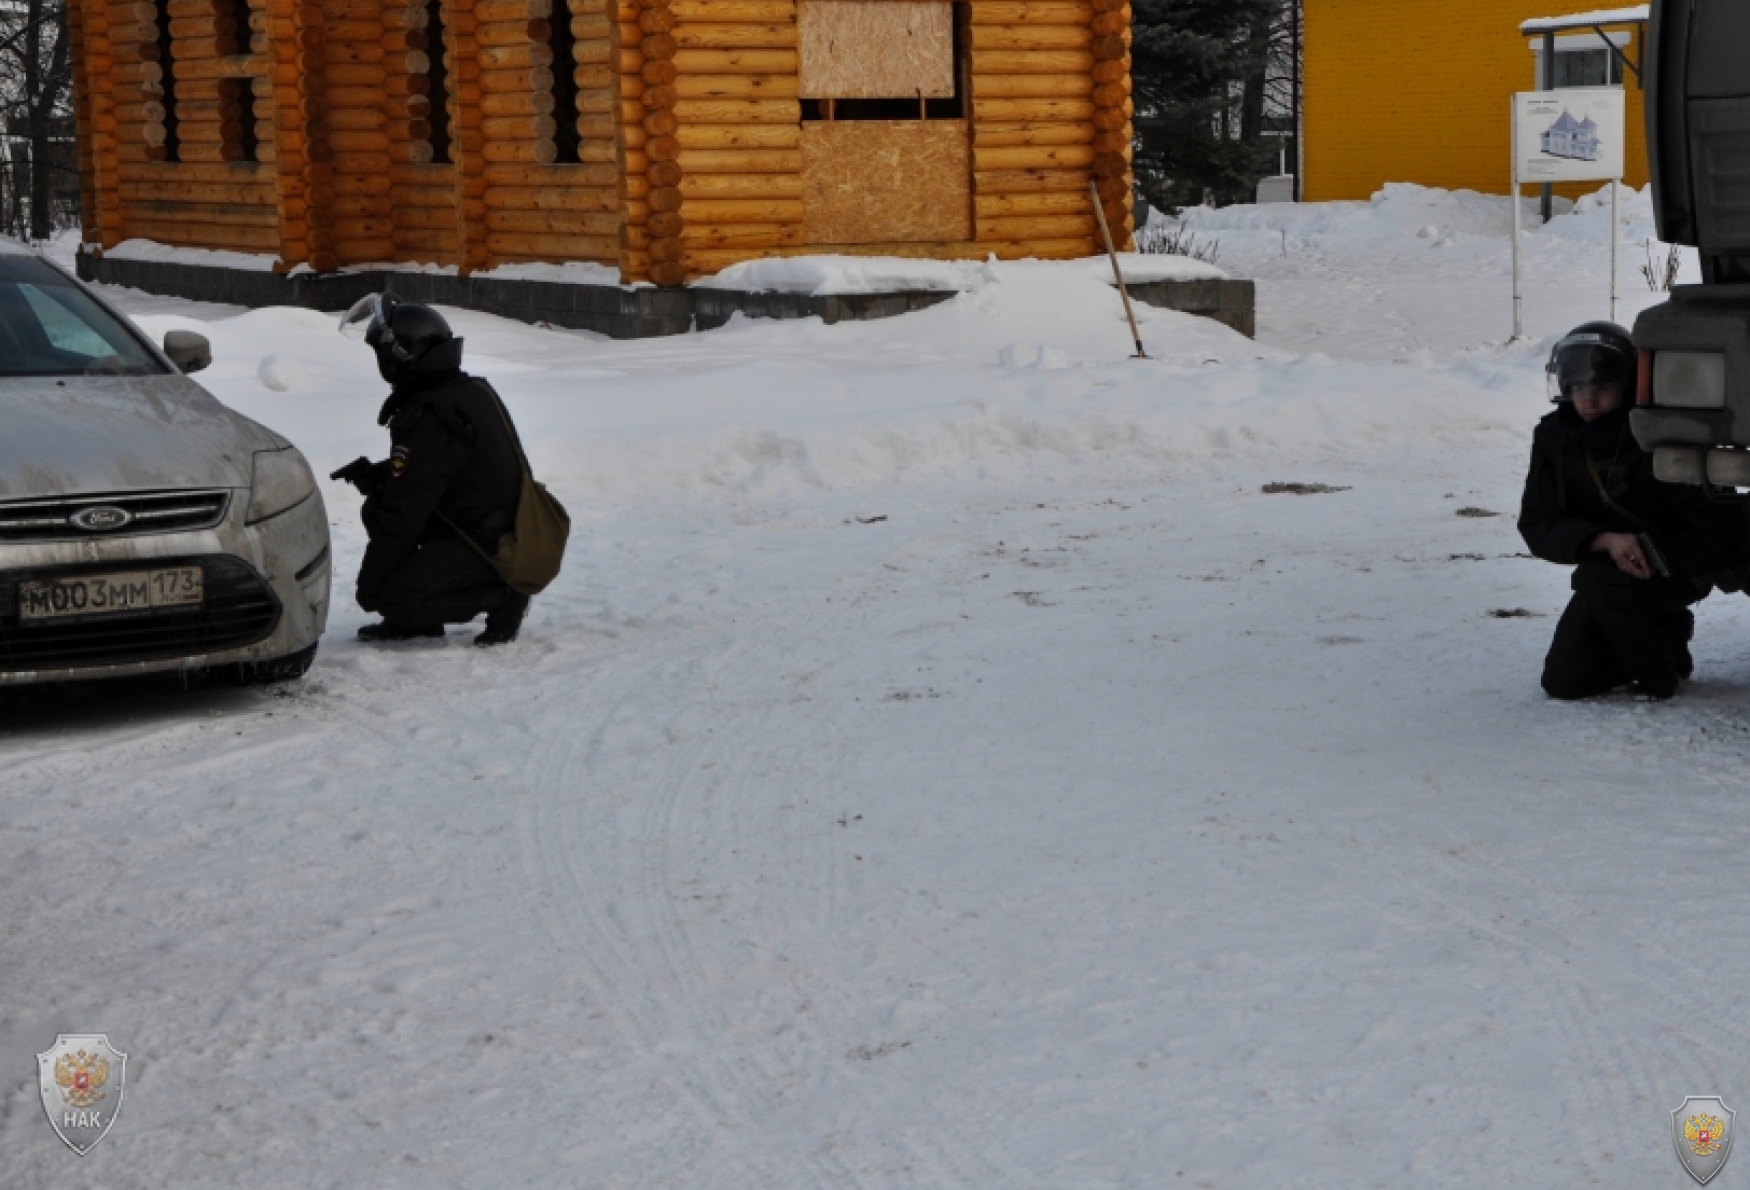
column 101, row 518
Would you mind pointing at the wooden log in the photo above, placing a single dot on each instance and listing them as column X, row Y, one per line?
column 736, row 86
column 535, row 78
column 353, row 53
column 1031, row 86
column 1107, row 24
column 355, row 74
column 658, row 74
column 633, row 161
column 1032, row 157
column 556, row 223
column 740, row 136
column 726, row 212
column 240, row 239
column 667, row 272
column 736, row 111
column 1032, row 62
column 354, row 119
column 1107, row 118
column 552, row 247
column 408, row 130
column 426, row 218
column 438, row 245
column 415, row 197
column 203, row 215
column 210, row 133
column 1054, row 111
column 513, row 33
column 519, row 127
column 538, row 176
column 1110, row 72
column 355, row 184
column 999, row 136
column 740, row 186
column 735, row 36
column 1108, row 49
column 739, row 161
column 1113, row 140
column 1031, row 37
column 665, row 249
column 658, row 97
column 1001, row 206
column 766, row 62
column 541, row 151
column 661, row 123
column 150, row 112
column 226, row 193
column 1031, row 13
column 517, row 104
column 1028, row 181
column 197, row 151
column 757, row 12
column 742, row 235
column 493, row 11
column 362, row 163
column 514, row 57
column 408, row 84
column 551, row 198
column 238, row 66
column 346, row 141
column 663, row 199
column 655, row 19
column 398, row 41
column 1110, row 94
column 662, row 224
column 1113, row 188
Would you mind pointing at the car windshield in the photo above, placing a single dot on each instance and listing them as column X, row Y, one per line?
column 49, row 327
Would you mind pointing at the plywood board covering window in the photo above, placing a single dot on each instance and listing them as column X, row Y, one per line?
column 876, row 49
column 886, row 181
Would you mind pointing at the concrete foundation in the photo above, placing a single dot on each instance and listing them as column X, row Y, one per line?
column 620, row 313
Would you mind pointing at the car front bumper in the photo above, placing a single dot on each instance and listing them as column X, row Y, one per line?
column 268, row 593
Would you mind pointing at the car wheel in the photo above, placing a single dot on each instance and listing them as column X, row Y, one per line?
column 279, row 669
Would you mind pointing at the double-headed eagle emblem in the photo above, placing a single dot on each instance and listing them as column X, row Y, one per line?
column 1701, row 1127
column 81, row 1077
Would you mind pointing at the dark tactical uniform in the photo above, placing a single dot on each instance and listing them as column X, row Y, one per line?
column 1618, row 628
column 452, row 466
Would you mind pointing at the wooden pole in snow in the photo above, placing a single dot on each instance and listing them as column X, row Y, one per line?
column 1118, row 276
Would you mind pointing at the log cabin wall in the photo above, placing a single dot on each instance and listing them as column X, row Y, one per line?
column 663, row 136
column 172, row 138
column 1046, row 89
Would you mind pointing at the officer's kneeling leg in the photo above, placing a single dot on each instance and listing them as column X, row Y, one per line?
column 445, row 582
column 1580, row 662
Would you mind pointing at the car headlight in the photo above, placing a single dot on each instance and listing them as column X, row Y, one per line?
column 282, row 481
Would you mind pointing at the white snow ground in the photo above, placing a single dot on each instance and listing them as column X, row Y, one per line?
column 1094, row 819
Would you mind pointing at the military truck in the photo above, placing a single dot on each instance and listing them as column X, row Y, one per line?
column 1693, row 393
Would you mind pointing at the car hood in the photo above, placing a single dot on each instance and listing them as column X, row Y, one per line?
column 85, row 434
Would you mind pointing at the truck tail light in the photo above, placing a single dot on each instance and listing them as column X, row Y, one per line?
column 1690, row 379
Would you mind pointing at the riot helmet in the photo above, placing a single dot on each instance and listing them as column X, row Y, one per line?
column 410, row 339
column 1593, row 353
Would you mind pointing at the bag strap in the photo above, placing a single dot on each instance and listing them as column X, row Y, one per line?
column 522, row 457
column 1598, row 482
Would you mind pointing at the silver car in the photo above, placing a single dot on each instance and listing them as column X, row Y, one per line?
column 144, row 527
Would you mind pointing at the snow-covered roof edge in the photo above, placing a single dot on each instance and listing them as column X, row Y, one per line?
column 1586, row 20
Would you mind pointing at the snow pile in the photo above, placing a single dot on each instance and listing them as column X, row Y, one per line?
column 1400, row 208
column 820, row 276
column 152, row 250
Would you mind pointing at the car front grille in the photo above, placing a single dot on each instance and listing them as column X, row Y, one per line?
column 239, row 609
column 125, row 514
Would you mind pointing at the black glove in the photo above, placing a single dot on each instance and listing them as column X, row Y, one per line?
column 359, row 473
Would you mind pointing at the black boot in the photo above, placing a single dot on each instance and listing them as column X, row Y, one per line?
column 384, row 630
column 503, row 621
column 1658, row 687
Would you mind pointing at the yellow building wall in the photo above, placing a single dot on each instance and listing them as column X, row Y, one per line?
column 1418, row 91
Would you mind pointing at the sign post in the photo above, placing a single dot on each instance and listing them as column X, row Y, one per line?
column 1571, row 135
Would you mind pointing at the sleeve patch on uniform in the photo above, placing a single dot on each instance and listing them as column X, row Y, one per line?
column 398, row 462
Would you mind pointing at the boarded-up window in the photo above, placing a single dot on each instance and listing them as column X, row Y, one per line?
column 876, row 49
column 886, row 182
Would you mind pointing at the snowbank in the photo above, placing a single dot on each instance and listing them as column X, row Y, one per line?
column 152, row 250
column 821, row 276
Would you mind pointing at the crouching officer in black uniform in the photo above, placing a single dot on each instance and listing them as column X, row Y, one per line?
column 454, row 469
column 1643, row 551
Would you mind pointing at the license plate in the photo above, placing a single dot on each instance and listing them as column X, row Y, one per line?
column 132, row 592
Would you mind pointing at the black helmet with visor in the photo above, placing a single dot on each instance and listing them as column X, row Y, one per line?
column 410, row 339
column 1594, row 353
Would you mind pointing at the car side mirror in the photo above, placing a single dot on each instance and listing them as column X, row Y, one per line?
column 188, row 351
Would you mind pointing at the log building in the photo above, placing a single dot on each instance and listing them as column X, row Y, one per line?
column 667, row 138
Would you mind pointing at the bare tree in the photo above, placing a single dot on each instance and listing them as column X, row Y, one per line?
column 40, row 177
